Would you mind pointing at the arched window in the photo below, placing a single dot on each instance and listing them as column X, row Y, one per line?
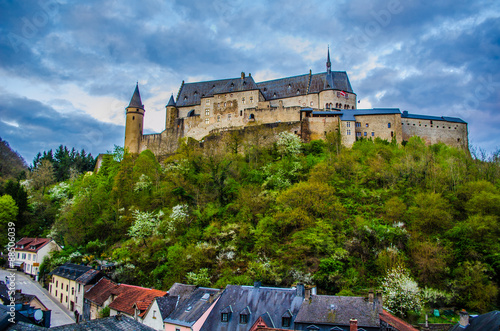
column 327, row 106
column 251, row 117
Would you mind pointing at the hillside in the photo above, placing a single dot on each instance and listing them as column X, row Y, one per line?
column 317, row 213
column 11, row 163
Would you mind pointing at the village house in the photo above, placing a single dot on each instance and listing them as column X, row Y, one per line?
column 98, row 296
column 133, row 301
column 32, row 251
column 159, row 309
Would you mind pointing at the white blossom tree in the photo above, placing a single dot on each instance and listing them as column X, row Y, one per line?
column 145, row 225
column 288, row 144
column 401, row 292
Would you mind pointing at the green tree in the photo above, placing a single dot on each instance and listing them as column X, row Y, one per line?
column 8, row 214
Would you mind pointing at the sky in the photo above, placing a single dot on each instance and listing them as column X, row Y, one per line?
column 68, row 68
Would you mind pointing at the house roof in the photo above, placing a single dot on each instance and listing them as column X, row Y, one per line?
column 485, row 322
column 191, row 309
column 183, row 291
column 166, row 305
column 70, row 271
column 259, row 300
column 111, row 323
column 131, row 295
column 338, row 310
column 101, row 291
column 405, row 114
column 171, row 102
column 395, row 322
column 31, row 244
column 89, row 276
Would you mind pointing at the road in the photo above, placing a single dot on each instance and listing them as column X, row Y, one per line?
column 59, row 316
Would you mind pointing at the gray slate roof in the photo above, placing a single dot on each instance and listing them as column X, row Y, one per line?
column 167, row 305
column 274, row 302
column 432, row 118
column 338, row 310
column 485, row 322
column 183, row 291
column 171, row 102
column 191, row 309
column 70, row 271
column 136, row 102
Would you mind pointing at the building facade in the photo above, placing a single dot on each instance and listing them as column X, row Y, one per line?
column 312, row 105
column 32, row 251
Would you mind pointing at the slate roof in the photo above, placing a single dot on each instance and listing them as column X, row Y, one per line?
column 349, row 115
column 167, row 305
column 432, row 118
column 31, row 244
column 136, row 101
column 111, row 323
column 183, row 291
column 101, row 291
column 284, row 87
column 485, row 322
column 191, row 309
column 89, row 276
column 130, row 295
column 190, row 94
column 70, row 271
column 259, row 300
column 395, row 322
column 338, row 310
column 171, row 102
column 4, row 292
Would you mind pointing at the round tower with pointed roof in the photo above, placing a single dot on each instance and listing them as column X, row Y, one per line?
column 135, row 122
column 172, row 113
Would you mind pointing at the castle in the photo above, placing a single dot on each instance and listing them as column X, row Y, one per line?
column 309, row 105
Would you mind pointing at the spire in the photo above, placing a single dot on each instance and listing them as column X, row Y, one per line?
column 171, row 102
column 136, row 99
column 328, row 63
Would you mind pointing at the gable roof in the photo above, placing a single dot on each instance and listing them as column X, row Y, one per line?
column 31, row 244
column 338, row 310
column 134, row 295
column 166, row 305
column 101, row 291
column 395, row 322
column 119, row 322
column 183, row 291
column 191, row 309
column 485, row 322
column 259, row 300
column 190, row 94
column 89, row 276
column 70, row 271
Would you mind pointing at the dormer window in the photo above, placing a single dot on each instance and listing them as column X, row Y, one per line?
column 243, row 319
column 274, row 95
column 224, row 317
column 226, row 314
column 298, row 91
column 185, row 97
column 285, row 322
column 195, row 93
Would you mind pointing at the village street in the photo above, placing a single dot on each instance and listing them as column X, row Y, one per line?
column 60, row 315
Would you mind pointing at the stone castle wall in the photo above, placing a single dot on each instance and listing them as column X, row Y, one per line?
column 433, row 132
column 385, row 126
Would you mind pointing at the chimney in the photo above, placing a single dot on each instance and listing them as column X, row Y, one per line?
column 353, row 323
column 464, row 318
column 300, row 289
column 370, row 296
column 380, row 299
column 242, row 75
column 249, row 74
column 307, row 293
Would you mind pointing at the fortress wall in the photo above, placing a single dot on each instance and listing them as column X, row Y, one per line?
column 348, row 139
column 378, row 126
column 163, row 143
column 433, row 132
column 271, row 115
column 318, row 127
column 309, row 100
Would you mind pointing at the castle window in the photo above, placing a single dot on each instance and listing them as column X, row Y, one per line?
column 243, row 319
column 274, row 95
column 251, row 117
column 243, row 100
column 392, row 134
column 366, row 124
column 224, row 104
column 241, row 112
column 195, row 93
column 348, row 132
column 229, row 116
column 207, row 112
column 312, row 103
column 365, row 134
column 207, row 120
column 289, row 85
column 185, row 98
column 218, row 118
column 358, row 134
column 327, row 106
column 207, row 101
column 389, row 125
column 251, row 99
column 298, row 91
column 358, row 124
column 133, row 118
column 373, row 134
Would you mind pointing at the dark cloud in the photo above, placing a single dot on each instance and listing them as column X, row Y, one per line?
column 31, row 127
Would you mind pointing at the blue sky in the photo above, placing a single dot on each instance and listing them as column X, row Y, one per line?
column 69, row 68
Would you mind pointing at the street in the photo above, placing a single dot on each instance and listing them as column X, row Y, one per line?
column 60, row 315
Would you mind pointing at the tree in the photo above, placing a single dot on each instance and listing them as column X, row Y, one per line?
column 43, row 175
column 8, row 214
column 145, row 225
column 288, row 144
column 401, row 292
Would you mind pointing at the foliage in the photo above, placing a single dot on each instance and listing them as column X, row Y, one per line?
column 401, row 292
column 202, row 278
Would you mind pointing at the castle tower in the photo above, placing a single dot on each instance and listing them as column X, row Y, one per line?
column 172, row 113
column 328, row 63
column 135, row 122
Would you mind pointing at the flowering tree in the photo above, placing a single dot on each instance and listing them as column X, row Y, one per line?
column 401, row 292
column 145, row 225
column 288, row 144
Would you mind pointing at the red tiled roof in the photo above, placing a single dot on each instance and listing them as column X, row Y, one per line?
column 396, row 322
column 101, row 291
column 27, row 243
column 130, row 295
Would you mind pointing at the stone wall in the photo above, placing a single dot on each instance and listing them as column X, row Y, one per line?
column 383, row 126
column 433, row 132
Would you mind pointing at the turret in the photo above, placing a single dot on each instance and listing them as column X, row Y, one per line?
column 135, row 122
column 172, row 113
